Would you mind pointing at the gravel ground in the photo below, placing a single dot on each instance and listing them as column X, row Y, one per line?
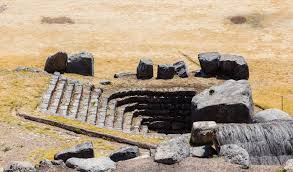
column 187, row 165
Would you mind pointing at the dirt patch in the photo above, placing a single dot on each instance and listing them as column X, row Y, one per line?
column 57, row 20
column 3, row 8
column 238, row 19
column 255, row 20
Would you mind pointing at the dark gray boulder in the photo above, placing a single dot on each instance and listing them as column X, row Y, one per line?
column 235, row 155
column 173, row 151
column 125, row 153
column 103, row 164
column 209, row 62
column 84, row 150
column 205, row 151
column 270, row 115
column 230, row 102
column 81, row 63
column 203, row 133
column 233, row 67
column 181, row 69
column 145, row 69
column 56, row 63
column 165, row 71
column 18, row 166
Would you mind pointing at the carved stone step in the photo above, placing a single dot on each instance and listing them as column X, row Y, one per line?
column 48, row 94
column 63, row 108
column 111, row 111
column 119, row 118
column 93, row 106
column 57, row 95
column 144, row 129
column 74, row 104
column 84, row 103
column 136, row 123
column 127, row 122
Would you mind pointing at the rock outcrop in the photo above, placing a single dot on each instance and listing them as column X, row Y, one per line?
column 56, row 63
column 84, row 150
column 209, row 62
column 181, row 69
column 173, row 151
column 236, row 155
column 233, row 66
column 18, row 166
column 230, row 102
column 288, row 166
column 102, row 164
column 206, row 151
column 125, row 153
column 203, row 133
column 268, row 143
column 165, row 71
column 145, row 69
column 81, row 63
column 270, row 115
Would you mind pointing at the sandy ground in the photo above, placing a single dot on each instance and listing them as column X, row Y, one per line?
column 189, row 164
column 118, row 33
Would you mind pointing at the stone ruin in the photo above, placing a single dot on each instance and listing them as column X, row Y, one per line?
column 138, row 110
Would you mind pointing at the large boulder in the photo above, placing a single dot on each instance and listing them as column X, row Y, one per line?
column 125, row 153
column 91, row 164
column 235, row 155
column 203, row 133
column 181, row 69
column 56, row 63
column 234, row 67
column 230, row 102
column 173, row 151
column 165, row 71
column 209, row 62
column 145, row 69
column 18, row 166
column 84, row 150
column 270, row 115
column 81, row 63
column 206, row 151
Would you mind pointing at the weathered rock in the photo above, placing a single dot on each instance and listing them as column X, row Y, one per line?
column 81, row 63
column 205, row 151
column 57, row 162
column 209, row 62
column 56, row 63
column 17, row 166
column 233, row 66
column 165, row 71
column 181, row 69
column 288, row 166
column 84, row 150
column 270, row 115
column 28, row 69
column 123, row 74
column 268, row 143
column 125, row 154
column 45, row 163
column 230, row 102
column 91, row 164
column 174, row 150
column 145, row 69
column 235, row 155
column 203, row 133
column 105, row 82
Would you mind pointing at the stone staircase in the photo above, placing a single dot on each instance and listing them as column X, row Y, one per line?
column 139, row 111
